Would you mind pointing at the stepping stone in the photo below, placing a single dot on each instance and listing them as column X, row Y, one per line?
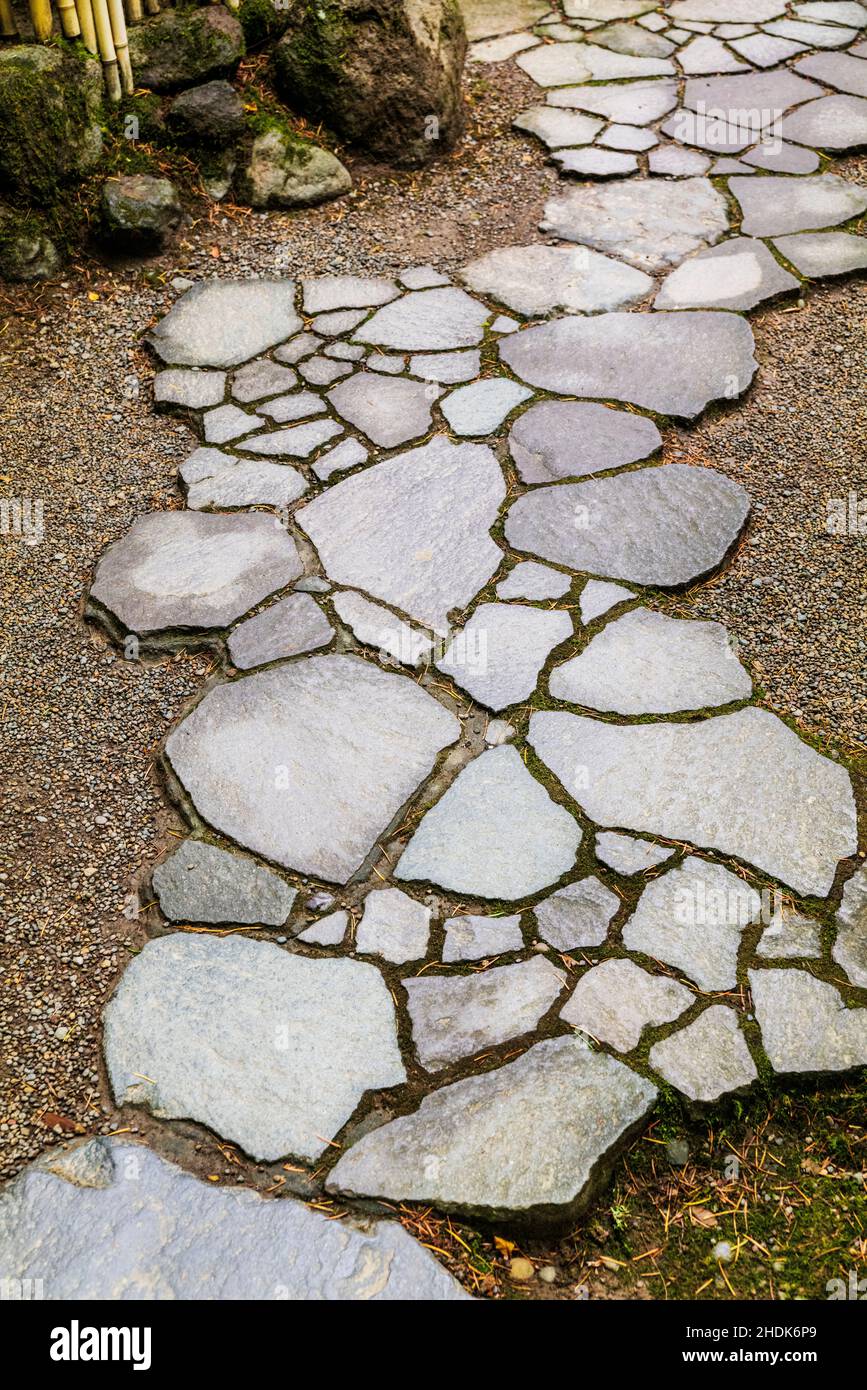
column 578, row 915
column 709, row 783
column 183, row 570
column 571, row 439
column 499, row 653
column 298, row 347
column 606, row 9
column 775, row 206
column 715, row 133
column 766, row 51
column 814, row 35
column 805, row 1024
column 249, row 483
column 187, row 1239
column 298, row 406
column 413, row 531
column 692, row 918
column 328, row 292
column 375, row 626
column 496, row 833
column 747, row 101
column 308, row 763
column 227, row 422
column 481, row 408
column 345, row 455
column 638, row 103
column 790, row 936
column 422, row 277
column 270, row 1050
column 727, row 11
column 328, row 931
column 784, row 159
column 597, row 597
column 674, row 364
column 479, row 938
column 295, row 441
column 447, row 367
column 707, row 1059
column 839, row 70
column 261, row 378
column 831, row 123
column 731, row 166
column 332, row 325
column 393, row 926
column 389, row 410
column 638, row 43
column 677, row 163
column 534, row 280
column 665, row 526
column 595, row 164
column 616, row 1000
column 191, row 390
column 557, row 128
column 201, row 883
column 290, row 626
column 850, row 948
column 627, row 137
column 553, row 65
column 427, row 321
column 205, row 463
column 456, row 1016
column 322, row 371
column 529, row 580
column 834, row 12
column 345, row 352
column 737, row 275
column 626, row 855
column 648, row 225
column 499, row 50
column 532, row 1140
column 221, row 323
column 705, row 54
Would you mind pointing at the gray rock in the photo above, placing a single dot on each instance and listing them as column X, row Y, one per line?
column 499, row 653
column 481, row 408
column 498, row 731
column 456, row 1016
column 529, row 580
column 676, row 163
column 605, row 9
column 816, row 254
column 638, row 103
column 789, row 936
column 765, row 50
column 628, row 38
column 187, row 570
column 86, row 1163
column 748, row 101
column 556, row 128
column 534, row 1140
column 831, row 123
column 615, row 1001
column 422, row 277
column 220, row 323
column 553, row 65
column 331, row 325
column 27, row 252
column 192, row 390
column 329, row 292
column 427, row 321
column 706, row 54
column 389, row 363
column 377, row 627
column 201, row 883
column 294, row 441
column 534, row 280
column 248, row 483
column 298, row 347
column 204, row 463
column 751, row 11
column 345, row 455
column 570, row 439
column 838, row 70
column 345, row 352
column 328, row 931
column 597, row 597
column 321, row 371
column 181, row 48
column 577, row 915
column 212, row 114
column 290, row 626
column 447, row 367
column 737, row 275
column 779, row 158
column 850, row 948
column 711, row 783
column 139, row 212
column 479, row 938
column 312, row 584
column 286, row 172
column 299, row 405
column 707, row 1059
column 817, row 35
column 775, row 206
column 495, row 833
column 393, row 926
column 389, row 410
column 628, row 137
column 270, row 1050
column 595, row 163
column 308, row 763
column 805, row 1024
column 626, row 855
column 227, row 422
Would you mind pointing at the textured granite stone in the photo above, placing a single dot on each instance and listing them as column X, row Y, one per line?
column 597, row 597
column 298, row 347
column 707, row 54
column 775, row 206
column 677, row 163
column 850, row 947
column 480, row 409
column 570, row 439
column 576, row 916
column 300, row 405
column 377, row 627
column 708, row 1058
column 595, row 163
column 427, row 321
column 635, row 103
column 556, row 128
column 816, row 254
column 201, row 883
column 837, row 122
column 329, row 292
column 779, row 158
column 764, row 50
column 627, row 855
column 805, row 1024
column 652, row 226
column 447, row 367
column 220, row 323
column 553, row 65
column 250, row 482
column 737, row 275
column 615, row 1001
column 328, row 931
column 627, row 137
column 347, row 454
column 498, row 655
column 790, row 935
column 532, row 581
column 322, row 371
column 227, row 422
column 290, row 626
column 839, row 70
column 478, row 938
column 394, row 926
column 190, row 389
column 389, row 409
column 294, row 441
column 261, row 378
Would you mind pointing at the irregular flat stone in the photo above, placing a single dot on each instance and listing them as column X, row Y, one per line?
column 553, row 65
column 498, row 731
column 290, row 626
column 328, row 931
column 322, row 371
column 595, row 164
column 529, row 580
column 775, row 206
column 556, row 128
column 814, row 35
column 192, row 390
column 459, row 1015
column 711, row 783
column 298, row 406
column 270, row 1050
column 605, row 9
column 261, row 378
column 627, row 137
column 577, row 915
column 422, row 277
column 805, row 1024
column 205, row 463
column 345, row 352
column 386, row 362
column 413, row 531
column 295, row 441
column 780, row 159
column 571, row 439
column 479, row 938
column 627, row 38
column 534, row 1139
column 249, row 483
column 535, row 280
column 389, row 410
column 737, row 275
column 345, row 455
column 626, row 855
column 343, row 321
column 227, row 422
column 447, row 367
column 676, row 163
column 328, row 292
column 500, row 49
column 393, row 926
column 850, row 948
column 816, row 254
column 790, row 935
column 189, row 570
column 646, row 663
column 308, row 763
column 427, row 321
column 839, row 70
column 298, row 347
column 597, row 597
column 615, row 1001
column 706, row 54
column 376, row 627
column 499, row 653
column 201, row 883
column 707, row 1059
column 748, row 101
column 715, row 132
column 647, row 224
column 837, row 122
column 480, row 409
column 220, row 323
column 638, row 103
column 765, row 50
column 167, row 1235
column 750, row 11
column 834, row 12
column 495, row 833
column 663, row 526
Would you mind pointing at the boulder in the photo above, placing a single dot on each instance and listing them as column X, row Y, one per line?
column 26, row 251
column 49, row 115
column 212, row 114
column 138, row 212
column 181, row 48
column 285, row 172
column 383, row 74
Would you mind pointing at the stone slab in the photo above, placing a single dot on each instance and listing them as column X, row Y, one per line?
column 290, row 626
column 577, row 916
column 616, row 1000
column 571, row 439
column 393, row 926
column 478, row 938
column 499, row 653
column 775, row 206
column 201, row 883
column 220, row 323
column 707, row 1059
column 805, row 1024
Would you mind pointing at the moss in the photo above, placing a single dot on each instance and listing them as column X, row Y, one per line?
column 312, row 58
column 262, row 21
column 49, row 102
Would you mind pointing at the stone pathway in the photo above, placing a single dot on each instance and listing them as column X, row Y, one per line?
column 527, row 848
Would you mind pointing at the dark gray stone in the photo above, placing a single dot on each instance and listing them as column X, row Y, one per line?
column 201, row 883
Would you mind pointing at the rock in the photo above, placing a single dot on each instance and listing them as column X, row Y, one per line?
column 270, row 1050
column 481, row 408
column 498, row 655
column 764, row 50
column 706, row 54
column 182, row 48
column 248, row 483
column 615, row 1001
column 675, row 364
column 422, row 277
column 830, row 123
column 327, row 292
column 393, row 926
column 290, row 626
column 456, row 1016
column 556, row 128
column 628, row 137
column 737, row 275
column 205, row 463
column 321, row 371
column 185, row 570
column 628, row 38
column 447, row 367
column 298, row 347
column 167, row 1235
column 790, row 935
column 139, row 212
column 499, row 731
column 553, row 65
column 626, row 855
column 495, row 833
column 597, row 597
column 818, row 35
column 27, row 252
column 638, row 103
column 384, row 76
column 707, row 1059
column 201, row 883
column 378, row 627
column 191, row 390
column 479, row 938
column 228, row 422
column 663, row 526
column 780, row 159
column 816, row 254
column 529, row 580
column 595, row 163
column 222, row 323
column 677, row 163
column 286, row 172
column 775, row 206
column 805, row 1024
column 838, row 70
column 577, row 915
column 535, row 280
column 212, row 114
column 298, row 405
column 296, row 441
column 850, row 948
column 261, row 378
column 521, row 1270
column 50, row 113
column 571, row 439
column 328, row 931
column 427, row 321
column 532, row 1141
column 348, row 454
column 389, row 410
column 729, row 11
column 710, row 784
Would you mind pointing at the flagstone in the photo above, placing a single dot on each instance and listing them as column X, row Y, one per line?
column 627, row 855
column 427, row 320
column 837, row 122
column 790, row 935
column 706, row 54
column 595, row 163
column 389, row 410
column 479, row 938
column 347, row 454
column 393, row 926
column 628, row 38
column 297, row 406
column 833, row 12
column 480, row 409
column 228, row 422
column 627, row 137
column 727, row 11
column 775, row 206
column 836, row 70
column 292, row 625
column 345, row 352
column 805, row 1024
column 298, row 347
column 329, row 292
column 378, row 627
column 676, row 163
column 577, row 916
column 616, row 1000
column 554, row 65
column 533, row 581
column 205, row 463
column 606, row 9
column 248, row 483
column 261, row 378
column 295, row 441
column 597, row 597
column 190, row 389
column 556, row 127
column 780, row 158
column 500, row 49
column 759, row 96
column 707, row 1059
column 422, row 277
column 447, row 367
column 328, row 931
column 322, row 371
column 736, row 275
column 850, row 947
column 533, row 280
column 386, row 362
column 498, row 654
column 201, row 883
column 816, row 254
column 813, row 35
column 221, row 323
column 765, row 50
column 636, row 103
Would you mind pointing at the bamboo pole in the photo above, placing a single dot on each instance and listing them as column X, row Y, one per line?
column 84, row 10
column 134, row 11
column 121, row 46
column 68, row 19
column 152, row 6
column 106, row 49
column 40, row 13
column 8, row 27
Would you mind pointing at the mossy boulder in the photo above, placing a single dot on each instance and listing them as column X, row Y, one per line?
column 211, row 115
column 262, row 21
column 285, row 172
column 50, row 105
column 181, row 48
column 26, row 250
column 138, row 212
column 383, row 74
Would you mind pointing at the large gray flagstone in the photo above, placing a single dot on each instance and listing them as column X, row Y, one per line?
column 250, row 482
column 780, row 158
column 201, row 883
column 672, row 161
column 481, row 407
column 816, row 254
column 648, row 224
column 839, row 70
column 837, row 122
column 308, row 763
column 557, row 128
column 833, row 12
column 675, row 364
column 375, row 626
column 707, row 54
column 221, row 323
column 776, row 205
column 814, row 35
column 272, row 1051
column 765, row 50
column 736, row 275
column 191, row 570
column 805, row 1024
column 850, row 947
column 413, row 531
column 749, row 99
column 636, row 103
column 714, row 133
column 191, row 390
column 741, row 783
column 629, row 38
column 615, row 1001
column 595, row 163
column 448, row 367
column 261, row 378
column 577, row 916
column 533, row 280
column 664, row 526
column 570, row 439
column 471, row 937
column 726, row 11
column 393, row 926
column 498, row 655
column 290, row 626
column 707, row 1059
column 389, row 409
column 300, row 405
column 427, row 321
column 329, row 292
column 294, row 441
column 534, row 1139
column 606, row 9
column 556, row 64
column 496, row 833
